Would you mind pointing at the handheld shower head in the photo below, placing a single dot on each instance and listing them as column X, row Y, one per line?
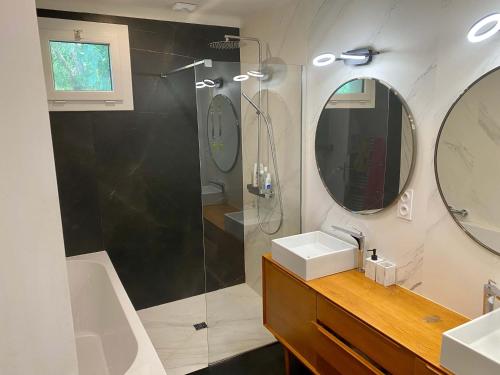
column 255, row 106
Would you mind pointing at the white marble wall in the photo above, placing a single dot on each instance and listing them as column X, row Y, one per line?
column 427, row 58
column 281, row 97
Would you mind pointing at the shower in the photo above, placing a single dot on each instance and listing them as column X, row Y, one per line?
column 272, row 145
column 235, row 42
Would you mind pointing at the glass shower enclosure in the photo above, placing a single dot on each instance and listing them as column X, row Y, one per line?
column 250, row 136
column 249, row 130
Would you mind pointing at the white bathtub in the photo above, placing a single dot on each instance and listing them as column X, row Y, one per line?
column 110, row 338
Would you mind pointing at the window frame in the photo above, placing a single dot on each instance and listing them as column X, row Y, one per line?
column 365, row 99
column 116, row 37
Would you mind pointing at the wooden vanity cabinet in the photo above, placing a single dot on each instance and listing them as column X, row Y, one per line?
column 327, row 338
column 289, row 309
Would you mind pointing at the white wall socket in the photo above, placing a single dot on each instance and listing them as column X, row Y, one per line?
column 405, row 205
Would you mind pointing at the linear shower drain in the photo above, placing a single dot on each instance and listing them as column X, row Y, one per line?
column 199, row 326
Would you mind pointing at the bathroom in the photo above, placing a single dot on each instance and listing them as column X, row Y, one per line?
column 147, row 224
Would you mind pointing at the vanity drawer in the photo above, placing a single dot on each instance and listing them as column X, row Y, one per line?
column 289, row 309
column 334, row 356
column 379, row 348
column 423, row 368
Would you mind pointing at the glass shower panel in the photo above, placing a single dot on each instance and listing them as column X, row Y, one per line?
column 241, row 215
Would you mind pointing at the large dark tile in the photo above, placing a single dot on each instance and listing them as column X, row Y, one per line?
column 172, row 95
column 73, row 142
column 150, row 205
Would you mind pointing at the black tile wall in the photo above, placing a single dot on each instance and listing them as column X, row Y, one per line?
column 129, row 181
column 77, row 182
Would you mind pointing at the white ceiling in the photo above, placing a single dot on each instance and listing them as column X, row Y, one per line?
column 232, row 8
column 215, row 12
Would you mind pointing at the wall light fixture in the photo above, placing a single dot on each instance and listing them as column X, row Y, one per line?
column 360, row 56
column 485, row 28
column 240, row 78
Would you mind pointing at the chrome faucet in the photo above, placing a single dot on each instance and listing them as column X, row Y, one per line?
column 491, row 293
column 360, row 239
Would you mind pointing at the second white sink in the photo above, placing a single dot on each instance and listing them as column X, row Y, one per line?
column 315, row 254
column 474, row 347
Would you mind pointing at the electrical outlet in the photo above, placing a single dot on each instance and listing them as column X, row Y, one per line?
column 405, row 205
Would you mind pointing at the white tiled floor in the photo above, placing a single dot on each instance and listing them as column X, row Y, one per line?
column 234, row 318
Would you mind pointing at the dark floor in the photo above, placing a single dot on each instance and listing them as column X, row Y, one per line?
column 268, row 360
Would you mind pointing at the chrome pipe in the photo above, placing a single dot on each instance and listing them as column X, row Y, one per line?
column 206, row 62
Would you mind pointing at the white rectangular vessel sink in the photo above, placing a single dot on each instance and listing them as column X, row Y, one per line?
column 315, row 254
column 474, row 347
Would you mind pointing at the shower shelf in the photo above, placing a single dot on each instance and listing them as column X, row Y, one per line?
column 256, row 191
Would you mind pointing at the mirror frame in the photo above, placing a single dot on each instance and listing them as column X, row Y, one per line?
column 443, row 199
column 413, row 156
column 238, row 130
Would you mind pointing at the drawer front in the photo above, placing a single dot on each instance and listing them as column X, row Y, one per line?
column 383, row 351
column 336, row 357
column 289, row 308
column 423, row 368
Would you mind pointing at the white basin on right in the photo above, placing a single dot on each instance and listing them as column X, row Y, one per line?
column 474, row 347
column 315, row 254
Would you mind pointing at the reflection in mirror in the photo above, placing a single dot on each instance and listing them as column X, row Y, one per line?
column 223, row 132
column 365, row 146
column 466, row 161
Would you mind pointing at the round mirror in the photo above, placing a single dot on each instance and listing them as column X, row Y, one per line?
column 223, row 132
column 365, row 145
column 466, row 161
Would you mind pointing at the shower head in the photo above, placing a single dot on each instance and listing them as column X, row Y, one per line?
column 234, row 42
column 225, row 44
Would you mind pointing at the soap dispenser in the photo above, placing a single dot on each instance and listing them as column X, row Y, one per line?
column 371, row 265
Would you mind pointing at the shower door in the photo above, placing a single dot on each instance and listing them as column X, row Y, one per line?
column 240, row 216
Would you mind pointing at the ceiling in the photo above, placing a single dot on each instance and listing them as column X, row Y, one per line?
column 233, row 8
column 217, row 12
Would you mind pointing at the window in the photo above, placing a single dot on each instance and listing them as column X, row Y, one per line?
column 86, row 64
column 80, row 66
column 352, row 87
column 359, row 93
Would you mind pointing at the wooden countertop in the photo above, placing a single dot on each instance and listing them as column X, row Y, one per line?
column 215, row 213
column 409, row 319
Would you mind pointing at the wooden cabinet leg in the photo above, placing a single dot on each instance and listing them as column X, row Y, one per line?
column 287, row 360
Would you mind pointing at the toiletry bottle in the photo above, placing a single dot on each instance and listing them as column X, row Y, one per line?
column 264, row 178
column 268, row 185
column 371, row 265
column 255, row 176
column 261, row 177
